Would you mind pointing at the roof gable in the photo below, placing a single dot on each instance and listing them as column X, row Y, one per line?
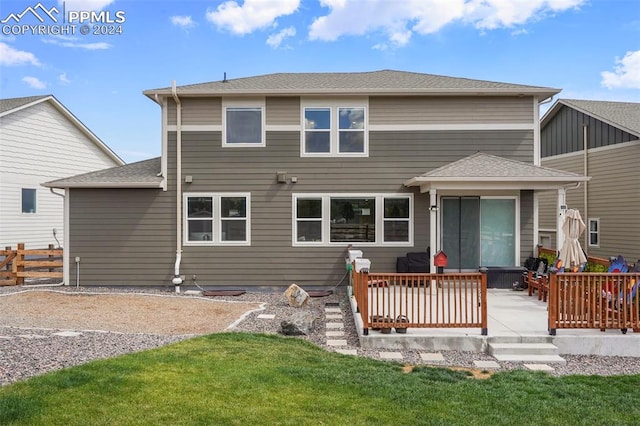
column 374, row 82
column 623, row 115
column 12, row 105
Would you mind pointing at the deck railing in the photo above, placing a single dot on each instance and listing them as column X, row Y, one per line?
column 594, row 300
column 395, row 300
column 16, row 265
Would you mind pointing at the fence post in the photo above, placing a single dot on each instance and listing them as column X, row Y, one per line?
column 483, row 300
column 553, row 303
column 8, row 265
column 51, row 258
column 18, row 265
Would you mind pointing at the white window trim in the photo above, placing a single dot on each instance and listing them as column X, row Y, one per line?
column 597, row 220
column 334, row 105
column 244, row 103
column 326, row 217
column 217, row 220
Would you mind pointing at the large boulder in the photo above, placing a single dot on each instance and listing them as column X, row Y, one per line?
column 300, row 323
column 296, row 296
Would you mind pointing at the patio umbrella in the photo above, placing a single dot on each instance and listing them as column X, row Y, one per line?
column 571, row 252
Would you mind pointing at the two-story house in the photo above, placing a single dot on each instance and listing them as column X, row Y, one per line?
column 600, row 139
column 41, row 140
column 265, row 181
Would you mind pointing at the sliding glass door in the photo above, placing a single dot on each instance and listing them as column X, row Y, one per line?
column 478, row 232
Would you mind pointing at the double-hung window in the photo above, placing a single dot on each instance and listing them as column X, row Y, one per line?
column 243, row 124
column 594, row 232
column 217, row 219
column 325, row 219
column 331, row 129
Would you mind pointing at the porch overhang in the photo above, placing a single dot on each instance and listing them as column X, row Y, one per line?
column 480, row 183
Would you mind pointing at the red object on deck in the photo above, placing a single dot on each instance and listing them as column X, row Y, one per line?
column 440, row 259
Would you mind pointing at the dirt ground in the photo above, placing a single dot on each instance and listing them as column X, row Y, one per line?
column 125, row 313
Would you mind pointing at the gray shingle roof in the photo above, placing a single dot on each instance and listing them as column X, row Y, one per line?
column 13, row 103
column 625, row 115
column 482, row 168
column 384, row 81
column 143, row 174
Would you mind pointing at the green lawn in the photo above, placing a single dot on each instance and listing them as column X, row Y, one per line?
column 247, row 379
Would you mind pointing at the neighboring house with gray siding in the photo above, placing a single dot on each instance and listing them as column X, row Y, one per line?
column 41, row 140
column 600, row 139
column 265, row 181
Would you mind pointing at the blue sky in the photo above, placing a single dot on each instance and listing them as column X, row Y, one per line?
column 588, row 48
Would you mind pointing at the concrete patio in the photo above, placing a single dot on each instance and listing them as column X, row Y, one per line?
column 513, row 318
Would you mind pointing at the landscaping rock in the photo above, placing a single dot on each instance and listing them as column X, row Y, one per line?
column 296, row 296
column 299, row 324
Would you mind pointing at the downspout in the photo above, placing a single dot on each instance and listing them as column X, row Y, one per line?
column 585, row 142
column 65, row 254
column 177, row 280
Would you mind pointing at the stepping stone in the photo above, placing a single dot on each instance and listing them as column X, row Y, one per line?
column 32, row 336
column 6, row 337
column 353, row 352
column 335, row 325
column 334, row 310
column 486, row 364
column 334, row 333
column 539, row 367
column 68, row 334
column 432, row 357
column 334, row 316
column 266, row 316
column 391, row 355
column 337, row 343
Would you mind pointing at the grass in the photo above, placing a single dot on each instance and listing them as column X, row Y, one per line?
column 240, row 379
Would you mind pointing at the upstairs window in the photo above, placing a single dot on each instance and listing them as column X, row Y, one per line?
column 243, row 124
column 333, row 130
column 594, row 232
column 28, row 200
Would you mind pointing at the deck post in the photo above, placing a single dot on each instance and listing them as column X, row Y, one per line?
column 483, row 301
column 553, row 303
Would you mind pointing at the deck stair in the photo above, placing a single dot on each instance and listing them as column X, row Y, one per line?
column 535, row 352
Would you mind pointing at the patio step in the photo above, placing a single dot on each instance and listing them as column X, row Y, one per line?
column 522, row 348
column 526, row 352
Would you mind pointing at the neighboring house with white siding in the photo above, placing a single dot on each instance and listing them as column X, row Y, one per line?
column 266, row 180
column 600, row 139
column 41, row 140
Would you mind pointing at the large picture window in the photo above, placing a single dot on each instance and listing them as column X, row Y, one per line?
column 325, row 219
column 217, row 219
column 334, row 130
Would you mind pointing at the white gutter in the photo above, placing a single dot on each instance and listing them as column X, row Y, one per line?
column 586, row 173
column 177, row 280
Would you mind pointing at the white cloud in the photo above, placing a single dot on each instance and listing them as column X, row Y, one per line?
column 11, row 56
column 34, row 83
column 400, row 20
column 251, row 16
column 72, row 43
column 184, row 22
column 63, row 79
column 275, row 40
column 626, row 73
column 85, row 4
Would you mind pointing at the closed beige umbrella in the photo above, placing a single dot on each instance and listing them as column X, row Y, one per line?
column 571, row 252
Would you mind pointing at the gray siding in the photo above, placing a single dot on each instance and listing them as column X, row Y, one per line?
column 449, row 110
column 526, row 225
column 564, row 133
column 283, row 111
column 201, row 111
column 614, row 197
column 122, row 236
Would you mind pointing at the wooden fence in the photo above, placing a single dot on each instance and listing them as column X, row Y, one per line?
column 393, row 300
column 594, row 300
column 20, row 264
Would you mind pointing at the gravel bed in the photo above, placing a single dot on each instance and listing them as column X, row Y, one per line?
column 29, row 351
